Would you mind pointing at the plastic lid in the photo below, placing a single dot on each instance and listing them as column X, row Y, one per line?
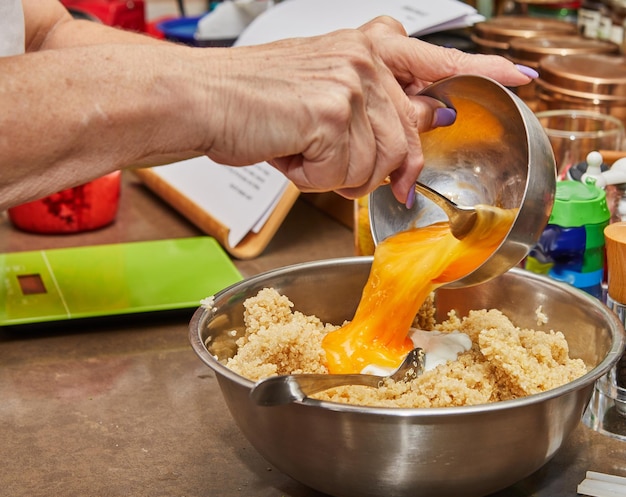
column 578, row 204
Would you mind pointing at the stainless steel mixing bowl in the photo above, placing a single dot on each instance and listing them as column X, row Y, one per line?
column 352, row 451
column 495, row 153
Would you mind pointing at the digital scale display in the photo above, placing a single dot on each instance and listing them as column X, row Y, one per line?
column 31, row 283
column 106, row 280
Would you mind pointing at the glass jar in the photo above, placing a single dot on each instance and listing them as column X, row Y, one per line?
column 606, row 21
column 363, row 241
column 617, row 27
column 590, row 15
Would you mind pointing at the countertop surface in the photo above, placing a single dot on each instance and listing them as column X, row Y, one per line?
column 125, row 408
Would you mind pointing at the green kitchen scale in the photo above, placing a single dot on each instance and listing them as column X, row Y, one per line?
column 109, row 280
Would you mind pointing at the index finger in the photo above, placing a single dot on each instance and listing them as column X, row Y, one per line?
column 416, row 63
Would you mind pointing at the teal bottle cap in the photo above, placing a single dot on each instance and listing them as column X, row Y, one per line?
column 578, row 204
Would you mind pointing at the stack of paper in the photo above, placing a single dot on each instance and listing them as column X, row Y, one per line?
column 240, row 198
column 296, row 18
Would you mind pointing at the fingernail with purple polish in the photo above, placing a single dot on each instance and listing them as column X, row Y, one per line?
column 410, row 198
column 527, row 71
column 444, row 116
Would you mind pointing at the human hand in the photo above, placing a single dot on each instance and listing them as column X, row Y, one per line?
column 340, row 112
column 417, row 64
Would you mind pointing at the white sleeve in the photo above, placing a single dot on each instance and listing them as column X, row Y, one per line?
column 12, row 36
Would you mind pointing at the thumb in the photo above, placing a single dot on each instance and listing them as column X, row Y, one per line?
column 428, row 113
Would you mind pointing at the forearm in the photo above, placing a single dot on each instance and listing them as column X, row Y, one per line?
column 71, row 115
column 80, row 103
column 327, row 111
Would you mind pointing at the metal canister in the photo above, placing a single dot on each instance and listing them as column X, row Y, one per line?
column 594, row 82
column 530, row 51
column 494, row 36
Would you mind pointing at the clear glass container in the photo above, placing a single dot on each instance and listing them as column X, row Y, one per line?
column 606, row 412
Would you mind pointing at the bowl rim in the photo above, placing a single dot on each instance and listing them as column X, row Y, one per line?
column 201, row 314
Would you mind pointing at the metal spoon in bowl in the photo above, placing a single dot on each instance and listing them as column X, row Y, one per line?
column 462, row 219
column 279, row 390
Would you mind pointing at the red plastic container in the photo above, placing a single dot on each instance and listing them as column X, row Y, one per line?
column 86, row 207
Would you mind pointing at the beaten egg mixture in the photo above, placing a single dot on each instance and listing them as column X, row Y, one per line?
column 407, row 267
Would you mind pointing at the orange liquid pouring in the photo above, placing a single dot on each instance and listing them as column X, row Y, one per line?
column 407, row 267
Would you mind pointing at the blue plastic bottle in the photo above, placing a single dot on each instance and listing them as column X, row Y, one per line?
column 571, row 248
